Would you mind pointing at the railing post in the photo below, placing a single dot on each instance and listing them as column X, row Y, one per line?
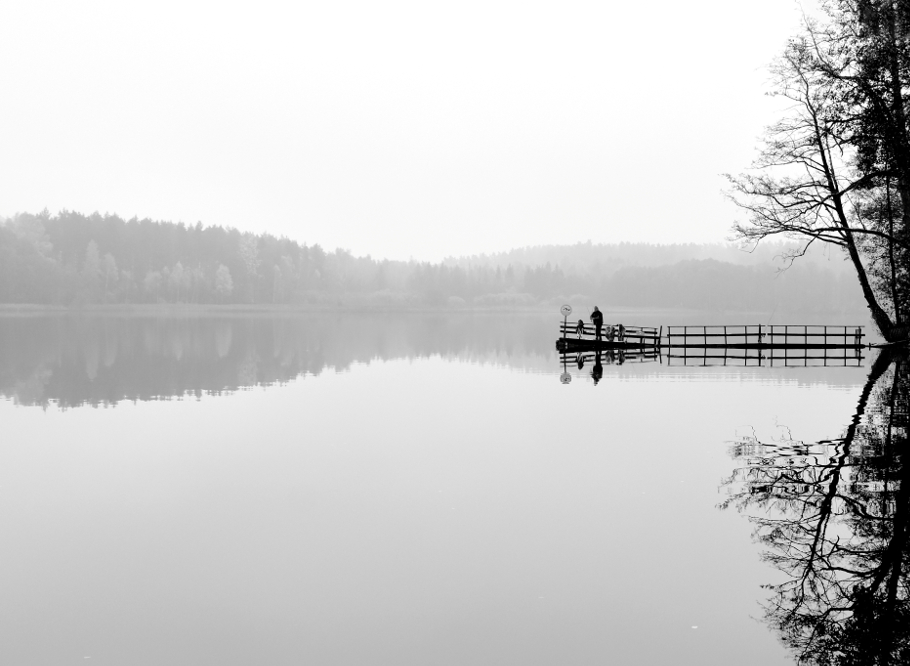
column 825, row 347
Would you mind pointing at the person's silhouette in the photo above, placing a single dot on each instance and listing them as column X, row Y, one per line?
column 598, row 371
column 597, row 319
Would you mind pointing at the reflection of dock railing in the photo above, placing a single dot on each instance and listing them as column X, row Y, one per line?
column 789, row 357
column 613, row 356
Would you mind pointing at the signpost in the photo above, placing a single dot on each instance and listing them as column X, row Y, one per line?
column 566, row 310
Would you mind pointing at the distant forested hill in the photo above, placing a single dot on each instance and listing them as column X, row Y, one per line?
column 603, row 258
column 70, row 258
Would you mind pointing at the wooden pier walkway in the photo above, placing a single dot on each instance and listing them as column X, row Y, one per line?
column 787, row 345
column 633, row 336
column 747, row 336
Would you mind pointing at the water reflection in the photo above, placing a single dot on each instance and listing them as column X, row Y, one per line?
column 610, row 356
column 834, row 518
column 794, row 357
column 597, row 372
column 75, row 360
column 406, row 513
column 96, row 360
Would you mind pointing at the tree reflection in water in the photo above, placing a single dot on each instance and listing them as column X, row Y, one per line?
column 833, row 517
column 74, row 360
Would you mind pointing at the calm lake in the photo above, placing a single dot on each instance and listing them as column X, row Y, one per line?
column 406, row 489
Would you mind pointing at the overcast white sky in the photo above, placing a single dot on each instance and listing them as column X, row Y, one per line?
column 390, row 128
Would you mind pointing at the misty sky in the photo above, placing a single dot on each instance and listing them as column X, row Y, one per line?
column 390, row 128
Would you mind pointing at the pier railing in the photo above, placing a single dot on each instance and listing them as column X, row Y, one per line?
column 771, row 335
column 646, row 335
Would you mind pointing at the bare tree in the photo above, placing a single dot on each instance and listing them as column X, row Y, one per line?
column 836, row 168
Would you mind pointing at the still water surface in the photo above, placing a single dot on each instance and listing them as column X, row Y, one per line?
column 381, row 490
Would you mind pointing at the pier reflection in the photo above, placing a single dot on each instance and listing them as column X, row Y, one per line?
column 712, row 357
column 834, row 517
column 610, row 357
column 790, row 357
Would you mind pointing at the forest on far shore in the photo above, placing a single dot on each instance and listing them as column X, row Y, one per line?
column 75, row 259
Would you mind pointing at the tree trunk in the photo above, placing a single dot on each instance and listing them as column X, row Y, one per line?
column 882, row 320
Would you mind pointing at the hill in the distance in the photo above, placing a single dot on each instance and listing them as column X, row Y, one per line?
column 70, row 258
column 609, row 257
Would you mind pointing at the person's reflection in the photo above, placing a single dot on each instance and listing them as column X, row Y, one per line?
column 580, row 360
column 834, row 517
column 598, row 371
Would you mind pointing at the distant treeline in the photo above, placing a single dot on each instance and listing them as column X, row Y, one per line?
column 75, row 259
column 605, row 259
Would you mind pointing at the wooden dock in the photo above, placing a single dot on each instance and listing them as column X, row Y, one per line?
column 633, row 337
column 747, row 336
column 787, row 345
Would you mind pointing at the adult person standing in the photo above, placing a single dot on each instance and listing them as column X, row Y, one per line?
column 597, row 319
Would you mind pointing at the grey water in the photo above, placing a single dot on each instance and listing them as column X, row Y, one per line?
column 381, row 489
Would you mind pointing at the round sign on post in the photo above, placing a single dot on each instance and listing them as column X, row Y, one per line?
column 565, row 378
column 566, row 310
